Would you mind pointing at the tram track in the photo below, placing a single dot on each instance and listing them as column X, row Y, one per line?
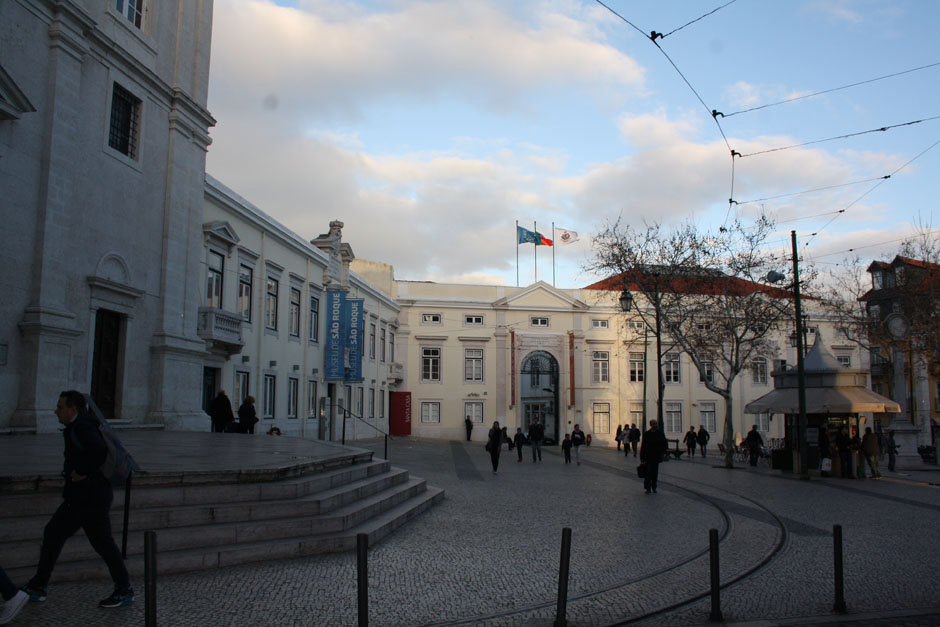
column 676, row 575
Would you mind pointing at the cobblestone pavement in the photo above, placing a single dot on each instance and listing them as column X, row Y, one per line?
column 489, row 554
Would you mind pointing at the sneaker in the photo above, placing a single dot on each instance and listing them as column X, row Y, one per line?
column 12, row 607
column 118, row 599
column 35, row 594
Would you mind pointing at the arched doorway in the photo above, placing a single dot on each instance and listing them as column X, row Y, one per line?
column 539, row 399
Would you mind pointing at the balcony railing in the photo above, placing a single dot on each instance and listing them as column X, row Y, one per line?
column 222, row 330
column 396, row 372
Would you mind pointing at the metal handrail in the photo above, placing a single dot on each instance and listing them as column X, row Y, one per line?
column 347, row 412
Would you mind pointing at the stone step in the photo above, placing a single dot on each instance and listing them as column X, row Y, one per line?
column 183, row 560
column 21, row 553
column 142, row 496
column 24, row 528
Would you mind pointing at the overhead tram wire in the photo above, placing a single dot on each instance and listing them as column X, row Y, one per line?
column 810, row 191
column 652, row 37
column 828, row 91
column 829, row 139
column 675, row 30
column 874, row 187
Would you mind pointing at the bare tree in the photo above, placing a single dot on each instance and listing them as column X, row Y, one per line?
column 704, row 291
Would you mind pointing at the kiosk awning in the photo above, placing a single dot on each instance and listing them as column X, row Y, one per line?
column 838, row 400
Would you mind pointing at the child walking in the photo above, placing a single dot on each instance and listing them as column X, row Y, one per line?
column 566, row 447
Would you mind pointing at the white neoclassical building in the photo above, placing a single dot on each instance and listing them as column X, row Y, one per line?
column 562, row 356
column 267, row 323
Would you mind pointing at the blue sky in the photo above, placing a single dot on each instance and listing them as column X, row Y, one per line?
column 429, row 128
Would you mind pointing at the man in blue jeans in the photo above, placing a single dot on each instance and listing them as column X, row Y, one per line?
column 86, row 499
column 536, row 433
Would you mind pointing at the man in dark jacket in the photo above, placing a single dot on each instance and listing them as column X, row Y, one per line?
column 754, row 444
column 86, row 500
column 652, row 449
column 536, row 434
column 220, row 410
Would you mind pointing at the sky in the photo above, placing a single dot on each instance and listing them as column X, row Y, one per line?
column 430, row 128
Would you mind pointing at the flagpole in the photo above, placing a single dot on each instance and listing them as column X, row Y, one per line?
column 535, row 229
column 517, row 253
column 553, row 254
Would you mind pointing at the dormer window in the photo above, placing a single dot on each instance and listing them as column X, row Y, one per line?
column 877, row 280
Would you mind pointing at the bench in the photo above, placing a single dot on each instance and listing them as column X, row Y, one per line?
column 675, row 453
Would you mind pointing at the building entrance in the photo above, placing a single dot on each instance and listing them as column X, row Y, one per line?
column 104, row 364
column 539, row 397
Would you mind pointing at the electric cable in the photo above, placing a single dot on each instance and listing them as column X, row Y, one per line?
column 810, row 191
column 675, row 30
column 829, row 139
column 827, row 91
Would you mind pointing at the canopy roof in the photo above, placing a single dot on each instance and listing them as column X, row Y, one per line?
column 837, row 400
column 830, row 389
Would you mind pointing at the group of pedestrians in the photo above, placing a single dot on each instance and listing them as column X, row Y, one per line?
column 629, row 436
column 497, row 436
column 869, row 446
column 223, row 420
column 698, row 439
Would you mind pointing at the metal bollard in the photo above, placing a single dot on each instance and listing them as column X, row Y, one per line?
column 715, row 579
column 362, row 551
column 150, row 578
column 839, row 605
column 561, row 611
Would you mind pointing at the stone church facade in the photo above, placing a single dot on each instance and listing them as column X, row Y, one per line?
column 103, row 137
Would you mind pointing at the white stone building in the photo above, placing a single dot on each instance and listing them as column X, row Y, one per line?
column 564, row 356
column 265, row 323
column 103, row 136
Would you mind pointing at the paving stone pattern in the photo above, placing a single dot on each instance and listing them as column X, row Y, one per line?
column 489, row 554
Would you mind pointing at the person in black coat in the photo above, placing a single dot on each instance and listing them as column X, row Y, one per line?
column 220, row 410
column 518, row 440
column 690, row 441
column 754, row 444
column 494, row 443
column 652, row 448
column 247, row 416
column 86, row 499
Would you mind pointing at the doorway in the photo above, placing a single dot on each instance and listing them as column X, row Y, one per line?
column 539, row 397
column 105, row 359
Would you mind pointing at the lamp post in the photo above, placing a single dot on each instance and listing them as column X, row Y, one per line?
column 800, row 373
column 626, row 303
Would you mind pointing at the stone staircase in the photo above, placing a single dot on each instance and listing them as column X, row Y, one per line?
column 211, row 519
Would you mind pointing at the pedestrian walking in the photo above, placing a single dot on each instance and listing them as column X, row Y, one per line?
column 844, row 446
column 619, row 437
column 651, row 454
column 519, row 440
column 892, row 451
column 824, row 452
column 754, row 443
column 220, row 410
column 872, row 452
column 468, row 424
column 247, row 416
column 86, row 499
column 566, row 448
column 703, row 437
column 577, row 441
column 690, row 441
column 13, row 599
column 536, row 433
column 494, row 443
column 506, row 438
column 634, row 439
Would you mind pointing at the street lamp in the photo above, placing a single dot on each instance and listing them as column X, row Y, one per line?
column 626, row 303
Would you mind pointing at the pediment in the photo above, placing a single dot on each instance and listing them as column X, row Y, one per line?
column 541, row 296
column 13, row 102
column 222, row 232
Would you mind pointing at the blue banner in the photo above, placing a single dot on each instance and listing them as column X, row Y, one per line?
column 355, row 328
column 334, row 362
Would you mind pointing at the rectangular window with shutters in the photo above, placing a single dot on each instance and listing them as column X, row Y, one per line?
column 601, row 366
column 267, row 396
column 244, row 292
column 474, row 409
column 601, row 413
column 473, row 365
column 215, row 266
column 270, row 303
column 293, row 322
column 706, row 416
column 673, row 417
column 431, row 364
column 637, row 367
column 430, row 412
